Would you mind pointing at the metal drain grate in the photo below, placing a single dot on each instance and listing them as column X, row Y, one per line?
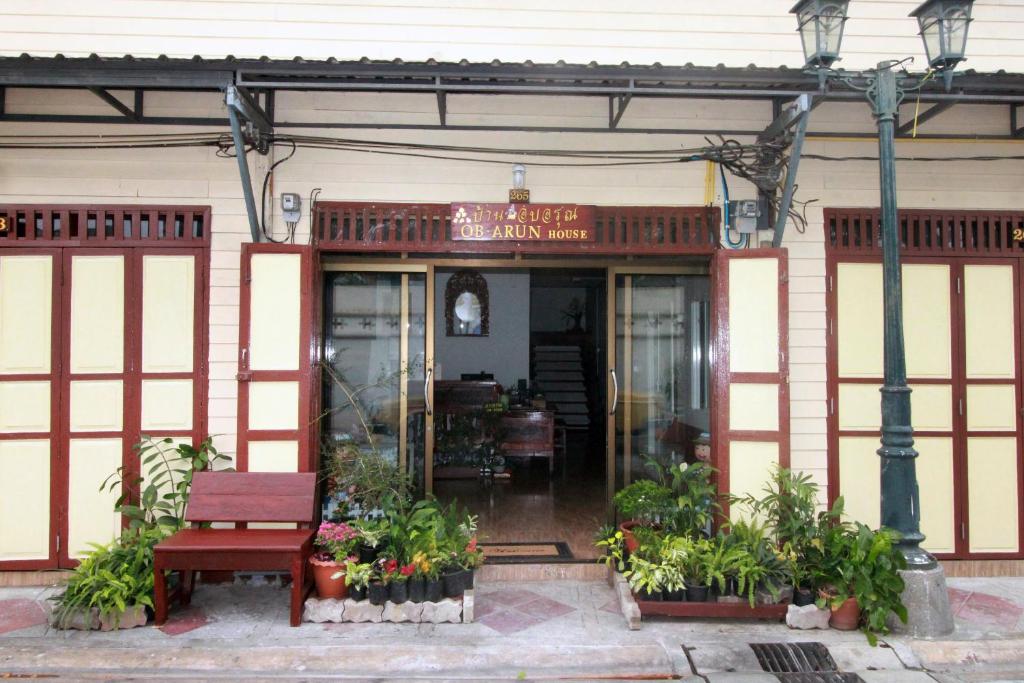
column 801, row 663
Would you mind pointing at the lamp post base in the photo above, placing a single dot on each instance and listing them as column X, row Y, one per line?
column 927, row 601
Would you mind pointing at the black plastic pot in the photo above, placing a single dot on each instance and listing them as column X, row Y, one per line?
column 377, row 592
column 675, row 596
column 417, row 589
column 357, row 593
column 434, row 590
column 367, row 553
column 644, row 596
column 454, row 585
column 803, row 597
column 399, row 592
column 697, row 593
column 467, row 580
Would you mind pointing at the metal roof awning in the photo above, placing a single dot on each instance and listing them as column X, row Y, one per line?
column 463, row 77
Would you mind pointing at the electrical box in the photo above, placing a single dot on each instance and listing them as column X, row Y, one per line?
column 747, row 216
column 291, row 207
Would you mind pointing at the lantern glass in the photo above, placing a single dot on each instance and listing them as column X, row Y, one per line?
column 821, row 23
column 944, row 25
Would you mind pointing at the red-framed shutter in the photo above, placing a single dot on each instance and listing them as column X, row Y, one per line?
column 751, row 367
column 276, row 358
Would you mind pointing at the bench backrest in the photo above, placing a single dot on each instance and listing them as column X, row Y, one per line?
column 252, row 497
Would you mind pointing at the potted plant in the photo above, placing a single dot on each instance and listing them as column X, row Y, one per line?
column 112, row 587
column 673, row 583
column 864, row 584
column 694, row 497
column 399, row 591
column 357, row 577
column 418, row 580
column 642, row 503
column 335, row 545
column 434, row 586
column 372, row 532
column 645, row 578
column 379, row 590
column 720, row 565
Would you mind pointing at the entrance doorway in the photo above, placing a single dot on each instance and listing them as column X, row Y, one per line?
column 529, row 394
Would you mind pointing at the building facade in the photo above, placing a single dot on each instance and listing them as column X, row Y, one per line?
column 133, row 300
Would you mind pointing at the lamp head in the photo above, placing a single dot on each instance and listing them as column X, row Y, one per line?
column 821, row 23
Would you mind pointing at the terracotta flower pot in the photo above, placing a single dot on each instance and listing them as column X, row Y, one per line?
column 326, row 587
column 627, row 534
column 846, row 617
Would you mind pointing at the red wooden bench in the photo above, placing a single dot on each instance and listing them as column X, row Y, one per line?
column 241, row 497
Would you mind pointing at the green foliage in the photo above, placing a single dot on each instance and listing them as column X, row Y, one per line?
column 163, row 489
column 644, row 575
column 111, row 578
column 357, row 574
column 696, row 497
column 644, row 501
column 786, row 538
column 865, row 566
column 354, row 465
column 369, row 480
column 614, row 546
column 117, row 576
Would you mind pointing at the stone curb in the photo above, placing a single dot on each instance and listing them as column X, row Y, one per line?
column 448, row 611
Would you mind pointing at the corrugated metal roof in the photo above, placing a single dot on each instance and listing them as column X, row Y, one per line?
column 464, row 76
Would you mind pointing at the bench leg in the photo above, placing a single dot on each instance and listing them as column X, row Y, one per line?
column 159, row 595
column 298, row 589
column 188, row 581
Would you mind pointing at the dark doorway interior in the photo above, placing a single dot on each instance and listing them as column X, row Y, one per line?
column 567, row 363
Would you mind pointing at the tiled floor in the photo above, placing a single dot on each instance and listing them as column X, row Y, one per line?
column 511, row 611
column 977, row 608
column 534, row 507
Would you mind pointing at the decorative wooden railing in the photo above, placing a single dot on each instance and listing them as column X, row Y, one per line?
column 928, row 232
column 426, row 228
column 109, row 225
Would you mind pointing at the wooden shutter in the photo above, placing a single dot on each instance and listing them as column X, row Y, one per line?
column 751, row 432
column 276, row 357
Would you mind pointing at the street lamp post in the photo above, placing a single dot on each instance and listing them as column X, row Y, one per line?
column 943, row 28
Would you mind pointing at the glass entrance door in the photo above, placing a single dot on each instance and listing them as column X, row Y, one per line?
column 378, row 338
column 659, row 370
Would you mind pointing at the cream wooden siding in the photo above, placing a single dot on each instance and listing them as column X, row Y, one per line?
column 734, row 33
column 198, row 176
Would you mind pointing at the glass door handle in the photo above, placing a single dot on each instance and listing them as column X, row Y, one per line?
column 426, row 391
column 615, row 396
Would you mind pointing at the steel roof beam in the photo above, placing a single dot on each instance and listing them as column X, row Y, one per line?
column 128, row 112
column 929, row 114
column 615, row 113
column 1016, row 130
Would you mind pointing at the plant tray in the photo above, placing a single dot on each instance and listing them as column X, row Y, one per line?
column 713, row 610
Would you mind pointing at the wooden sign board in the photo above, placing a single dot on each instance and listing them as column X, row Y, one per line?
column 522, row 223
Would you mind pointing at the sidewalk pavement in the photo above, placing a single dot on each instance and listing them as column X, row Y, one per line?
column 568, row 630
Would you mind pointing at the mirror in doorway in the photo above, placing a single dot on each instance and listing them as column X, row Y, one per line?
column 466, row 306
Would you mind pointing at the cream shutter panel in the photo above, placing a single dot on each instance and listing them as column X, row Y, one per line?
column 751, row 368
column 276, row 359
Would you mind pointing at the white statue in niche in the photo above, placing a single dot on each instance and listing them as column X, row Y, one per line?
column 467, row 311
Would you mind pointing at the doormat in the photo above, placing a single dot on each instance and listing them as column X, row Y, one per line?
column 524, row 553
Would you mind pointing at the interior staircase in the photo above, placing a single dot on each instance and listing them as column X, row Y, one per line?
column 558, row 374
